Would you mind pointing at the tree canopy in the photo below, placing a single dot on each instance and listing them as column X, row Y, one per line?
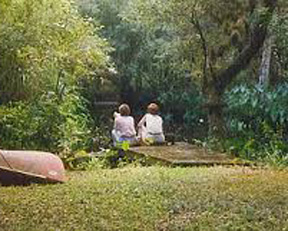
column 47, row 45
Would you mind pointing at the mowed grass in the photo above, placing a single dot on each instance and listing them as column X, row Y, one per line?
column 152, row 198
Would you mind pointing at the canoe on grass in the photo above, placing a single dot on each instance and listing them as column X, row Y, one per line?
column 25, row 167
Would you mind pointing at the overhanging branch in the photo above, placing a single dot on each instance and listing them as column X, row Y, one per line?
column 258, row 34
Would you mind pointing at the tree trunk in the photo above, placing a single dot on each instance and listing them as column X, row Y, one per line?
column 276, row 75
column 265, row 62
column 215, row 114
column 221, row 80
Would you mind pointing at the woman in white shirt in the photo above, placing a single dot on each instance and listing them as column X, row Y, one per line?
column 124, row 126
column 150, row 127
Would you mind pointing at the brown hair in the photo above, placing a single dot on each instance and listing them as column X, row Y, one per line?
column 153, row 108
column 124, row 109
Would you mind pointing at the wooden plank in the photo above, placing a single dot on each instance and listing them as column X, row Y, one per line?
column 185, row 154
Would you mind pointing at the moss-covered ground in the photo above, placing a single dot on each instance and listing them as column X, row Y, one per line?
column 152, row 198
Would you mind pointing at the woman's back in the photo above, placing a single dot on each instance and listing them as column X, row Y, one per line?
column 154, row 124
column 125, row 126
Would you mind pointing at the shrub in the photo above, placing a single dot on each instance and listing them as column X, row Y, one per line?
column 50, row 124
column 48, row 45
column 257, row 121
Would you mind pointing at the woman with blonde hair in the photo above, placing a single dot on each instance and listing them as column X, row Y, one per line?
column 150, row 127
column 124, row 126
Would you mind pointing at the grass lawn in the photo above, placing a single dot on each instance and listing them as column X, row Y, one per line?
column 152, row 198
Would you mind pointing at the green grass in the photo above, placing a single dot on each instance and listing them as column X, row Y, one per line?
column 154, row 198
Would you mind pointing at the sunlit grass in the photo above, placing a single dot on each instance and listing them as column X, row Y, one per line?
column 154, row 198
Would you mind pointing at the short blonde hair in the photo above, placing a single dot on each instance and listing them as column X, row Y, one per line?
column 153, row 108
column 124, row 109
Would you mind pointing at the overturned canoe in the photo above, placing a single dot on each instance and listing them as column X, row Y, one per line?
column 25, row 167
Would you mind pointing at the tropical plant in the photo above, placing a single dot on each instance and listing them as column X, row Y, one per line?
column 257, row 120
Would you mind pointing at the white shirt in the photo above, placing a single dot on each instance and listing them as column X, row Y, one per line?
column 154, row 124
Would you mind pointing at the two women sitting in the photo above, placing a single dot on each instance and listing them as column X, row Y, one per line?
column 150, row 127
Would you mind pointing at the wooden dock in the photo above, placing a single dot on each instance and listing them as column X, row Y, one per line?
column 184, row 154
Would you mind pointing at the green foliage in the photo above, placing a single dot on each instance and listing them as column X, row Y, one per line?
column 49, row 51
column 163, row 52
column 146, row 59
column 248, row 107
column 152, row 64
column 106, row 158
column 198, row 23
column 48, row 46
column 279, row 29
column 116, row 157
column 257, row 121
column 112, row 158
column 158, row 41
column 82, row 161
column 51, row 124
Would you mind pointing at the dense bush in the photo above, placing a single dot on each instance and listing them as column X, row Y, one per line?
column 47, row 47
column 51, row 124
column 257, row 120
column 49, row 50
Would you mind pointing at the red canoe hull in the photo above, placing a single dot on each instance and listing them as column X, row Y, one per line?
column 25, row 167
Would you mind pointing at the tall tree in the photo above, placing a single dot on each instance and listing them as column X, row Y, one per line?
column 227, row 35
column 223, row 78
